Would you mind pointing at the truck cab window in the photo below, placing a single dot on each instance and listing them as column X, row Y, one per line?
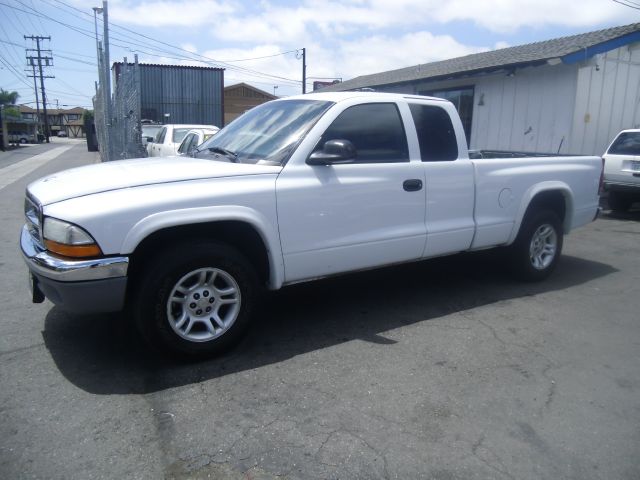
column 376, row 131
column 161, row 135
column 436, row 136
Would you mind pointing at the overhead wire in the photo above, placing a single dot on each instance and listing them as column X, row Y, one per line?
column 44, row 29
column 148, row 48
column 225, row 63
column 207, row 60
column 11, row 52
column 13, row 71
column 629, row 3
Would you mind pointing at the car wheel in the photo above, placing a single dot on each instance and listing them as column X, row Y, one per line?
column 195, row 300
column 619, row 202
column 538, row 246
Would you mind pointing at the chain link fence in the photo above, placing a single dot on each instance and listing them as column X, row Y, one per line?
column 120, row 136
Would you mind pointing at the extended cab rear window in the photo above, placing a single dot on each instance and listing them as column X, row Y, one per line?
column 436, row 136
column 627, row 143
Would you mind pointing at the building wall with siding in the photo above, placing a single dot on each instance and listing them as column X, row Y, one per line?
column 607, row 99
column 530, row 111
column 575, row 108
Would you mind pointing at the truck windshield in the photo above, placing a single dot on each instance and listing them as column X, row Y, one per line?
column 627, row 143
column 268, row 132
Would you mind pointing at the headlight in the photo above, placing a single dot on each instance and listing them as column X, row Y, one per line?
column 68, row 240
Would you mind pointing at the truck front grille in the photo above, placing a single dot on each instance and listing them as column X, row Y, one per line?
column 33, row 216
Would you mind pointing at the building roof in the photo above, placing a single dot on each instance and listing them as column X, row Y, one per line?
column 567, row 50
column 250, row 87
column 118, row 65
column 52, row 111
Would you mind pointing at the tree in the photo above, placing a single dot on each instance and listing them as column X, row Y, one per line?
column 7, row 97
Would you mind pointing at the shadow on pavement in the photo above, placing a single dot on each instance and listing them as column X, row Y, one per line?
column 632, row 215
column 100, row 354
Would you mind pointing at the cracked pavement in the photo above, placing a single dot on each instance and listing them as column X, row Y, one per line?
column 443, row 370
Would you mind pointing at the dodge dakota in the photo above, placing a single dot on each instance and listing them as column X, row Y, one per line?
column 293, row 190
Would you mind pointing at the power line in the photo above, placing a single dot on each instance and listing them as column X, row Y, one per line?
column 155, row 40
column 629, row 4
column 13, row 71
column 155, row 51
column 11, row 52
column 37, row 18
column 207, row 60
column 24, row 29
column 191, row 54
column 33, row 25
column 84, row 62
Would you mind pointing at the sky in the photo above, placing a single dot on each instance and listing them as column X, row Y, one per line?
column 260, row 42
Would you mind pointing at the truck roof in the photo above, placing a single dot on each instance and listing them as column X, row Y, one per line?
column 341, row 96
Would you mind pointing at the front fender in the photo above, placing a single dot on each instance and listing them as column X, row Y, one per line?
column 189, row 216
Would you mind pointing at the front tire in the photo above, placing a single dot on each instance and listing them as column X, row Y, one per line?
column 536, row 250
column 195, row 300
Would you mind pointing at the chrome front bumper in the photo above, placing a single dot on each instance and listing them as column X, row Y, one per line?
column 82, row 286
column 43, row 263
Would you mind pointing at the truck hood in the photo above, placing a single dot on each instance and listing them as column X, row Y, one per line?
column 103, row 177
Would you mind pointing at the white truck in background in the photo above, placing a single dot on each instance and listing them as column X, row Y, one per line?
column 294, row 190
column 622, row 170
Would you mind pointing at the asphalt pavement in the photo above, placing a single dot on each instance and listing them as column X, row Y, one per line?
column 446, row 369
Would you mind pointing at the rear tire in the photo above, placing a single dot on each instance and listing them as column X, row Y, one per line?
column 619, row 202
column 195, row 300
column 537, row 248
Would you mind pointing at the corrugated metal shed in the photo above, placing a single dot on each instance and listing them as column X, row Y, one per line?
column 188, row 94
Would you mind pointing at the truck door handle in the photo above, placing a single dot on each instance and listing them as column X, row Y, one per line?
column 412, row 185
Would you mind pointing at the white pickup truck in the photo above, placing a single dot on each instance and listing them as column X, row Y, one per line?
column 294, row 190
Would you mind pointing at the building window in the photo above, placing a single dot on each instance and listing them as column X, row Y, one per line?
column 462, row 98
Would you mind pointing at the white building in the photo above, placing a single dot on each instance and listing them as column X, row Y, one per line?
column 567, row 95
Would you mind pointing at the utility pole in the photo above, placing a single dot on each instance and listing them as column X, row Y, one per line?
column 35, row 89
column 104, row 78
column 107, row 64
column 304, row 70
column 49, row 62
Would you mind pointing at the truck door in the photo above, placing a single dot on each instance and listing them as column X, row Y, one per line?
column 449, row 180
column 157, row 143
column 366, row 212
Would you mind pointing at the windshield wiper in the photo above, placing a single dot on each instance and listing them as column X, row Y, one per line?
column 227, row 153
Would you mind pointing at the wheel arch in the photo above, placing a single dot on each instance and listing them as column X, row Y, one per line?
column 555, row 196
column 240, row 227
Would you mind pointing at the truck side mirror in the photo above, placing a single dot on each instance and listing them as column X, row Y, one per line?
column 149, row 139
column 333, row 152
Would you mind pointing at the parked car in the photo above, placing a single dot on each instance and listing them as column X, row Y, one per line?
column 169, row 137
column 622, row 170
column 194, row 138
column 62, row 133
column 149, row 132
column 294, row 190
column 21, row 137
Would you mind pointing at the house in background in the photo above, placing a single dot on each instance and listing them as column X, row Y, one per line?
column 67, row 120
column 566, row 95
column 241, row 97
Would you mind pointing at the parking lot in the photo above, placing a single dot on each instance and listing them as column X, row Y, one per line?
column 447, row 369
